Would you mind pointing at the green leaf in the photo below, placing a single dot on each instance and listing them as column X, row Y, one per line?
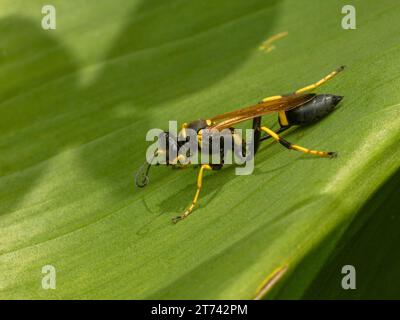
column 76, row 104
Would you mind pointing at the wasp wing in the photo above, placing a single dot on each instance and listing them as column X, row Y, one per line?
column 284, row 103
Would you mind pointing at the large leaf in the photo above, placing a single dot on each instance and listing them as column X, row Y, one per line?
column 76, row 103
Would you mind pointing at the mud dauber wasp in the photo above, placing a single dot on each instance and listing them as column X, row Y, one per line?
column 297, row 108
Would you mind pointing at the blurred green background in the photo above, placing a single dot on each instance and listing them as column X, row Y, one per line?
column 75, row 106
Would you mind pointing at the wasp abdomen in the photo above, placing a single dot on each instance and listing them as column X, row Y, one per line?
column 313, row 110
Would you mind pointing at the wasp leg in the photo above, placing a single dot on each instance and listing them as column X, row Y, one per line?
column 257, row 133
column 271, row 98
column 320, row 82
column 239, row 146
column 307, row 88
column 296, row 147
column 196, row 197
column 281, row 129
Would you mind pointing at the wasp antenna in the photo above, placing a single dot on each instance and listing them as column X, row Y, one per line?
column 142, row 175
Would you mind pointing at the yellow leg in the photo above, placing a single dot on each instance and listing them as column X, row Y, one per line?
column 271, row 98
column 196, row 197
column 320, row 82
column 289, row 145
column 309, row 87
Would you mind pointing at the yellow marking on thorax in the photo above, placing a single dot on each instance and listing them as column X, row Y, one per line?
column 200, row 137
column 184, row 127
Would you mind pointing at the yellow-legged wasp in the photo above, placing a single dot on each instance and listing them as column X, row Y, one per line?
column 298, row 108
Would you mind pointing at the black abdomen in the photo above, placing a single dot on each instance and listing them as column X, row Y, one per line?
column 313, row 110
